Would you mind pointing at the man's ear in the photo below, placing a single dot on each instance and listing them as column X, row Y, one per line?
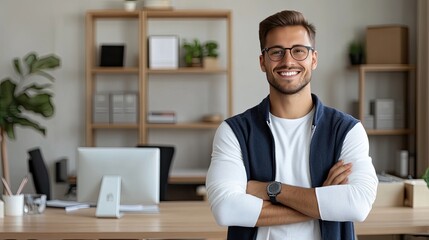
column 314, row 60
column 262, row 63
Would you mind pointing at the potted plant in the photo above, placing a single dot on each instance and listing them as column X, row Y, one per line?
column 193, row 53
column 356, row 53
column 27, row 94
column 210, row 55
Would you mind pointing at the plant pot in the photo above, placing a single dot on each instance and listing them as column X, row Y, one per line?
column 356, row 59
column 196, row 62
column 210, row 63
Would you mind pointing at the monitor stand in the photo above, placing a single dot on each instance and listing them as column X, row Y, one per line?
column 109, row 198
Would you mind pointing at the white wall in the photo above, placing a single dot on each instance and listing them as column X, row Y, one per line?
column 57, row 26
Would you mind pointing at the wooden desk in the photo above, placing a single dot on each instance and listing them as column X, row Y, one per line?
column 395, row 220
column 190, row 220
column 180, row 220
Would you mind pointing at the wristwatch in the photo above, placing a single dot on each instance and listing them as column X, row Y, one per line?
column 273, row 189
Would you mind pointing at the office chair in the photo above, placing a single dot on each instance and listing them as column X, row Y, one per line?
column 38, row 170
column 166, row 158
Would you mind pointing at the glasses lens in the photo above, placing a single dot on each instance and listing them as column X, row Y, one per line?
column 276, row 53
column 299, row 52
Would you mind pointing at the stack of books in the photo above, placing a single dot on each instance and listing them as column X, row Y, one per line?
column 161, row 117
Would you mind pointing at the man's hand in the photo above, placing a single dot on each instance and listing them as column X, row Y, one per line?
column 338, row 174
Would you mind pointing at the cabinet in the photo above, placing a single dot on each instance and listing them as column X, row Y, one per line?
column 195, row 85
column 400, row 78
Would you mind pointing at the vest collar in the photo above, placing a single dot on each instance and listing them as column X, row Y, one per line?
column 264, row 108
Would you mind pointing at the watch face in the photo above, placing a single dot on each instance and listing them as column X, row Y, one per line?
column 274, row 188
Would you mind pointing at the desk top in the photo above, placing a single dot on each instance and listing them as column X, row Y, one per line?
column 188, row 220
column 395, row 220
column 175, row 220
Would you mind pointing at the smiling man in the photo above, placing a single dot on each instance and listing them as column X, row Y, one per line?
column 290, row 167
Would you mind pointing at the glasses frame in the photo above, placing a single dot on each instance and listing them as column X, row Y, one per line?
column 309, row 48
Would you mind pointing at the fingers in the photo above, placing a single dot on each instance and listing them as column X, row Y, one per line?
column 338, row 174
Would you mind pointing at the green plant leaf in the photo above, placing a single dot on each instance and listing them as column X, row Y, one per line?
column 47, row 62
column 39, row 103
column 426, row 177
column 7, row 90
column 46, row 75
column 36, row 87
column 29, row 60
column 17, row 66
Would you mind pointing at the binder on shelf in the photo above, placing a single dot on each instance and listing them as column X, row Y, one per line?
column 101, row 113
column 161, row 117
column 384, row 113
column 124, row 107
column 163, row 52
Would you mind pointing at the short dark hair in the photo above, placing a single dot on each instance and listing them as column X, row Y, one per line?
column 283, row 19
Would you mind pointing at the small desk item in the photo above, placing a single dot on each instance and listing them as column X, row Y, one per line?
column 109, row 197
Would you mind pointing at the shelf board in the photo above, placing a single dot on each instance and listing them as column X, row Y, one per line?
column 384, row 67
column 115, row 126
column 187, row 176
column 196, row 13
column 115, row 70
column 190, row 125
column 388, row 132
column 113, row 13
column 186, row 70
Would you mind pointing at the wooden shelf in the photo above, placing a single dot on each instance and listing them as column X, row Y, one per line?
column 115, row 126
column 190, row 125
column 187, row 70
column 141, row 24
column 115, row 70
column 384, row 67
column 386, row 132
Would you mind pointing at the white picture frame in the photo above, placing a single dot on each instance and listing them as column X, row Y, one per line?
column 163, row 52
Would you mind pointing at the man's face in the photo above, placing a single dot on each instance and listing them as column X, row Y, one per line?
column 288, row 75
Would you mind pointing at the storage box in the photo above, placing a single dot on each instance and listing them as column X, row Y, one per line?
column 416, row 193
column 390, row 194
column 387, row 44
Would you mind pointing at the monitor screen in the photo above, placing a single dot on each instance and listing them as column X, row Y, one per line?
column 137, row 167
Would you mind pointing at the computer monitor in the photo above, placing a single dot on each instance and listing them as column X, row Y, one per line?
column 138, row 169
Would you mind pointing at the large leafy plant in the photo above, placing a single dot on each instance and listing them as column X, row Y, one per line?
column 30, row 93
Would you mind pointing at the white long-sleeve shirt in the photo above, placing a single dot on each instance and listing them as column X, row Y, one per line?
column 227, row 180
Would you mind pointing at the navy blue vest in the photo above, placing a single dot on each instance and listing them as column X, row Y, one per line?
column 329, row 127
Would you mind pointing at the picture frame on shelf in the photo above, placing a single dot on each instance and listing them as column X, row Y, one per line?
column 163, row 52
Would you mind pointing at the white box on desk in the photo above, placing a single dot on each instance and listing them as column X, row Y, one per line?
column 390, row 194
column 416, row 193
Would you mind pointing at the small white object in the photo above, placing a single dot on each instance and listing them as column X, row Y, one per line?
column 13, row 205
column 402, row 163
column 109, row 198
column 1, row 209
column 130, row 5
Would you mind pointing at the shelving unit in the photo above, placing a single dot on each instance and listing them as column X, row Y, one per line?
column 407, row 133
column 144, row 75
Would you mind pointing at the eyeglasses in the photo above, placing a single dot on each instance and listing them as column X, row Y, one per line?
column 298, row 52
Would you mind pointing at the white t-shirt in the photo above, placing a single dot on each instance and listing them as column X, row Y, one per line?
column 227, row 180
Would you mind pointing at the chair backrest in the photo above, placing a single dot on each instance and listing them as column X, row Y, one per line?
column 38, row 170
column 166, row 158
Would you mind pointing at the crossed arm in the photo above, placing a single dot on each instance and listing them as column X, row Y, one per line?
column 235, row 201
column 298, row 204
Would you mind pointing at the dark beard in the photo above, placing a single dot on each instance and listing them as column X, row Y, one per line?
column 285, row 91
